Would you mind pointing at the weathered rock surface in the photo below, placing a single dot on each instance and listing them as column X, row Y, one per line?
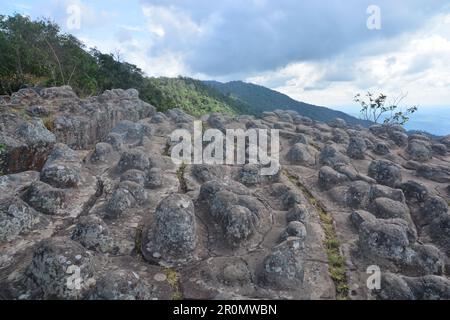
column 90, row 187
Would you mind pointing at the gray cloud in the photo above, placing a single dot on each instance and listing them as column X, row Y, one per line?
column 236, row 37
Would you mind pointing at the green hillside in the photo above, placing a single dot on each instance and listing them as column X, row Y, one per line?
column 262, row 99
column 188, row 94
column 37, row 53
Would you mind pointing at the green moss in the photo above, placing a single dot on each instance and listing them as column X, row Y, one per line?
column 173, row 279
column 336, row 262
column 180, row 175
column 49, row 122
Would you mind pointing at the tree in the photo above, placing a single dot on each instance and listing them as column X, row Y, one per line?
column 374, row 108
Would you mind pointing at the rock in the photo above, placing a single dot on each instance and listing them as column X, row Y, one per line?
column 239, row 224
column 131, row 131
column 173, row 236
column 54, row 261
column 206, row 173
column 154, row 178
column 101, row 152
column 434, row 172
column 439, row 149
column 419, row 150
column 120, row 201
column 122, row 285
column 433, row 207
column 294, row 229
column 16, row 217
column 62, row 169
column 38, row 111
column 340, row 136
column 338, row 123
column 250, row 175
column 159, row 117
column 329, row 178
column 133, row 159
column 440, row 231
column 64, row 92
column 115, row 140
column 446, row 141
column 380, row 191
column 356, row 148
column 297, row 213
column 209, row 189
column 45, row 198
column 378, row 129
column 394, row 287
column 134, row 175
column 301, row 154
column 329, row 156
column 386, row 208
column 25, row 96
column 283, row 268
column 392, row 240
column 236, row 273
column 358, row 195
column 93, row 234
column 418, row 137
column 399, row 138
column 384, row 240
column 414, row 190
column 381, row 149
column 385, row 172
column 179, row 116
column 26, row 144
column 358, row 217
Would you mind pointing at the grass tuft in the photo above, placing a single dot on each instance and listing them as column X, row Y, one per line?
column 336, row 262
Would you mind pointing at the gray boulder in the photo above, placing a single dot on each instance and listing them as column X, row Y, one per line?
column 94, row 234
column 385, row 172
column 386, row 208
column 101, row 152
column 173, row 236
column 44, row 198
column 250, row 175
column 134, row 175
column 381, row 149
column 63, row 168
column 154, row 178
column 54, row 261
column 433, row 207
column 283, row 267
column 301, row 154
column 358, row 195
column 419, row 150
column 356, row 148
column 434, row 172
column 329, row 156
column 414, row 190
column 133, row 159
column 16, row 217
column 329, row 178
column 27, row 144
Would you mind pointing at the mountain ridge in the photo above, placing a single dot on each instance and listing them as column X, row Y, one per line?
column 261, row 99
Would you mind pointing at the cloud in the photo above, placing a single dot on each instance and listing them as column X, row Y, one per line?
column 419, row 67
column 234, row 36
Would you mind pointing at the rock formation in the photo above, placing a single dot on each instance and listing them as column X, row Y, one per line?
column 93, row 207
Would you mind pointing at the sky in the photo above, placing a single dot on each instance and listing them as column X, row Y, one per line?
column 321, row 52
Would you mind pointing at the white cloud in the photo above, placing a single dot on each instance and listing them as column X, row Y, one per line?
column 418, row 65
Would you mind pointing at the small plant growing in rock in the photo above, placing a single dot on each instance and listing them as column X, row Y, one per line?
column 375, row 107
column 49, row 123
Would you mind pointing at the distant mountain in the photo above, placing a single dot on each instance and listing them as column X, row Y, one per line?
column 260, row 99
column 191, row 95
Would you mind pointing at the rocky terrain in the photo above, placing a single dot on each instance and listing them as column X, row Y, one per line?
column 92, row 207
